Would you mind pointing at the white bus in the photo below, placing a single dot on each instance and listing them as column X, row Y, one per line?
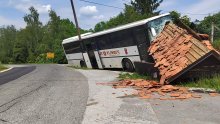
column 119, row 47
column 73, row 51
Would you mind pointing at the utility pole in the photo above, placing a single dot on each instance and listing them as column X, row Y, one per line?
column 212, row 33
column 75, row 18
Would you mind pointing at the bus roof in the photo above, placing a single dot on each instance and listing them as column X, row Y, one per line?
column 75, row 38
column 126, row 26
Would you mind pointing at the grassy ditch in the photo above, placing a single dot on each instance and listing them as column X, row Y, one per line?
column 212, row 83
column 83, row 68
column 2, row 67
column 123, row 76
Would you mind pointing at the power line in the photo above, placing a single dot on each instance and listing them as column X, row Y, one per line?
column 101, row 4
column 125, row 0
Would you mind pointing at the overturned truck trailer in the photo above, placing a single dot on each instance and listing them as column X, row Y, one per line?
column 181, row 54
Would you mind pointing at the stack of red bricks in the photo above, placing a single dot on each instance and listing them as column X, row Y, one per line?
column 175, row 49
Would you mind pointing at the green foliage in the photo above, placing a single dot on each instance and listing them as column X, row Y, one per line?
column 133, row 76
column 138, row 10
column 127, row 16
column 205, row 25
column 2, row 67
column 100, row 26
column 177, row 17
column 147, row 7
column 30, row 45
column 216, row 44
column 213, row 83
column 7, row 39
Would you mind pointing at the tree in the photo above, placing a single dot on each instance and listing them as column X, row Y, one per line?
column 127, row 16
column 7, row 39
column 205, row 27
column 177, row 17
column 34, row 33
column 100, row 26
column 20, row 47
column 146, row 7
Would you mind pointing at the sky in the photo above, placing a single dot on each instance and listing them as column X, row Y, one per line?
column 13, row 11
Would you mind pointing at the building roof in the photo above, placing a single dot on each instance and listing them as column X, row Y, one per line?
column 175, row 49
column 130, row 25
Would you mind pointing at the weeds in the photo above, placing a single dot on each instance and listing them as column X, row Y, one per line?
column 213, row 83
column 83, row 68
column 133, row 76
column 2, row 67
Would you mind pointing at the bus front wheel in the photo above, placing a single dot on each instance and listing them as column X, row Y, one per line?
column 127, row 65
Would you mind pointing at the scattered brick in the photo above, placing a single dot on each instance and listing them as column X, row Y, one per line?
column 174, row 94
column 146, row 96
column 196, row 96
column 154, row 90
column 213, row 94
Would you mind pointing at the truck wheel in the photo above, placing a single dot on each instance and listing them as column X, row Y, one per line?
column 127, row 65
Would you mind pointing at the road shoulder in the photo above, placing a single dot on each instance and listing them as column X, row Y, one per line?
column 107, row 105
column 6, row 69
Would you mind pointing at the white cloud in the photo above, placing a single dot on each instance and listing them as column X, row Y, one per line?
column 88, row 10
column 24, row 5
column 203, row 7
column 43, row 8
column 98, row 17
column 16, row 23
column 167, row 3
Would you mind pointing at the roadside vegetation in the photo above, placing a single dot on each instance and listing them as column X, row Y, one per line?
column 126, row 75
column 83, row 68
column 211, row 83
column 32, row 43
column 2, row 67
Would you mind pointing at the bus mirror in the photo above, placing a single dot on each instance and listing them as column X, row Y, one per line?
column 153, row 31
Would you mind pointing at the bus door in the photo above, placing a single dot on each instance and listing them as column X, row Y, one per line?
column 97, row 56
column 91, row 54
column 87, row 60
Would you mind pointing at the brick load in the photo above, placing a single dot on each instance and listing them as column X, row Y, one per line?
column 175, row 49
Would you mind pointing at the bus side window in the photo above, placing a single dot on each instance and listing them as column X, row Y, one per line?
column 122, row 38
column 73, row 47
column 140, row 34
column 103, row 42
column 94, row 45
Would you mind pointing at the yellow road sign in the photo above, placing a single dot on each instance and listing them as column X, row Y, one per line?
column 50, row 55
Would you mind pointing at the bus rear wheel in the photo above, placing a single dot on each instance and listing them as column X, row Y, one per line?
column 127, row 65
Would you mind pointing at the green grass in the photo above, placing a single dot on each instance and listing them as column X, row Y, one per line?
column 83, row 68
column 212, row 83
column 133, row 76
column 2, row 67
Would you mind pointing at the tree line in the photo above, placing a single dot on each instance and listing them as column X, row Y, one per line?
column 30, row 45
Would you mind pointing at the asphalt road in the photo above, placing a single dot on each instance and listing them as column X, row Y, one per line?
column 50, row 94
column 15, row 73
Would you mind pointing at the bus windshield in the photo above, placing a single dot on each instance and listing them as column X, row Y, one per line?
column 156, row 26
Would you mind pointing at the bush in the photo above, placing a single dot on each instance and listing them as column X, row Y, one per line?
column 216, row 44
